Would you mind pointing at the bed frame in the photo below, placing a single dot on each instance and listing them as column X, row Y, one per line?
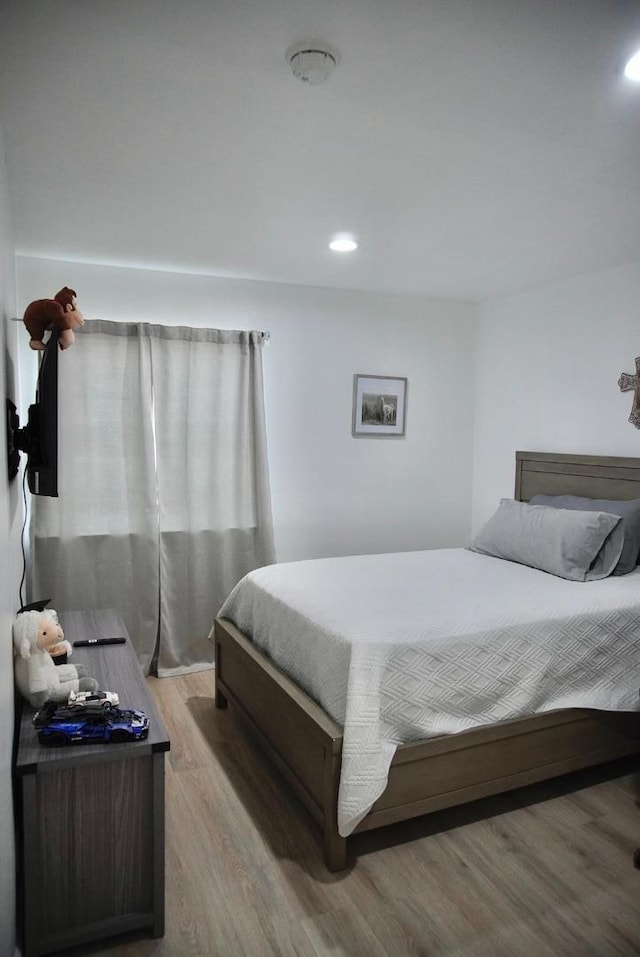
column 306, row 744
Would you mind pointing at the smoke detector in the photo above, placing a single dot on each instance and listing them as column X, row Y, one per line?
column 311, row 63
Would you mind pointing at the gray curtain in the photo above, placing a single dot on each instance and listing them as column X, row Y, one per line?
column 213, row 489
column 163, row 478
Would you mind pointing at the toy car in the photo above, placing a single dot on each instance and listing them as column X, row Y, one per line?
column 63, row 724
column 95, row 700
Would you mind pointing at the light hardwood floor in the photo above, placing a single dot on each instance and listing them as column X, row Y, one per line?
column 543, row 872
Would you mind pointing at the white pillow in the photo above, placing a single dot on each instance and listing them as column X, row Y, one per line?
column 577, row 545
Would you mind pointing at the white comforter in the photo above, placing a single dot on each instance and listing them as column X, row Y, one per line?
column 400, row 647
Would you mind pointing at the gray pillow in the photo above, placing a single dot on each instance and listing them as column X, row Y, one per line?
column 577, row 545
column 629, row 512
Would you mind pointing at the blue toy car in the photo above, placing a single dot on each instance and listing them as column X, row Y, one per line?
column 67, row 724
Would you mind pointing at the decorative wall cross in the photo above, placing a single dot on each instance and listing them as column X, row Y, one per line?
column 627, row 383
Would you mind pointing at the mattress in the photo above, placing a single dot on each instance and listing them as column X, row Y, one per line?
column 402, row 647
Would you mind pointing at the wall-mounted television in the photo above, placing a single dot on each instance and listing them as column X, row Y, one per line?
column 39, row 438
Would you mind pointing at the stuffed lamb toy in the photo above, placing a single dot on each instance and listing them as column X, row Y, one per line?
column 35, row 635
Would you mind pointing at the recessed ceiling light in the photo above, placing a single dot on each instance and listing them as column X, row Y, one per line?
column 343, row 244
column 632, row 69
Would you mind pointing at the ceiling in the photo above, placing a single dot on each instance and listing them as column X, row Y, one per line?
column 477, row 148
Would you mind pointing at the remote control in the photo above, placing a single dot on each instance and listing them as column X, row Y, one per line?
column 85, row 642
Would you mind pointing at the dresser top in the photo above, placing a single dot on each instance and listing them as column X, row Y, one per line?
column 116, row 668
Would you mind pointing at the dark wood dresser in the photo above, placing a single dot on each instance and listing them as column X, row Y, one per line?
column 90, row 817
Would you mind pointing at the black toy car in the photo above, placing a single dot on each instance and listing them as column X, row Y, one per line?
column 67, row 724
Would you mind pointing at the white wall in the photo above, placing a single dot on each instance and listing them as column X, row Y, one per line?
column 332, row 494
column 547, row 368
column 10, row 571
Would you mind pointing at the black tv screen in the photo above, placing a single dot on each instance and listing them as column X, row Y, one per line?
column 39, row 438
column 42, row 460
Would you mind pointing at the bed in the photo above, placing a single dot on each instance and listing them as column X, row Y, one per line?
column 315, row 752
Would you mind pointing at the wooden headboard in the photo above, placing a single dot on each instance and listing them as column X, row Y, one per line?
column 595, row 476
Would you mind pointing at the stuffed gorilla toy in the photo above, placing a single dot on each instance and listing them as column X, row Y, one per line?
column 61, row 311
column 35, row 635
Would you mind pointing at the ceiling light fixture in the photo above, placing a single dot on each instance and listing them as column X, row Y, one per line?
column 311, row 62
column 632, row 69
column 343, row 244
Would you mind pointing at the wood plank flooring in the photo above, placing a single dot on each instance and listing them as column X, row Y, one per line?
column 546, row 871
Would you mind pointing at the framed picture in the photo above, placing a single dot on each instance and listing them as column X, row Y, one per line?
column 379, row 406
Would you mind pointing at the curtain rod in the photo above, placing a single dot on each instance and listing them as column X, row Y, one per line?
column 266, row 335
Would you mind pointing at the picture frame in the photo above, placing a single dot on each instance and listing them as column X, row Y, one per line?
column 379, row 406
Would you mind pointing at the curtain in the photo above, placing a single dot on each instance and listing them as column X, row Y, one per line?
column 163, row 480
column 213, row 489
column 96, row 546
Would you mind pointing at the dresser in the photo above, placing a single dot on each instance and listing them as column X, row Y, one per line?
column 90, row 817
